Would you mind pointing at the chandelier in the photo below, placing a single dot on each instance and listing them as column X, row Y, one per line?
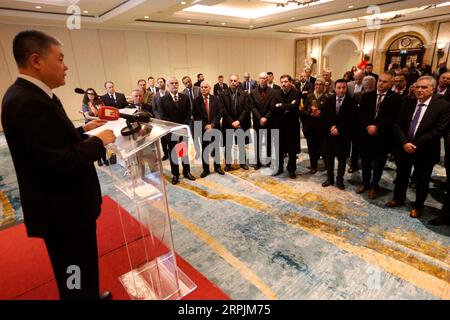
column 298, row 2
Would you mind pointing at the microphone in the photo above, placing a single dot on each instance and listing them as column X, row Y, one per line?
column 112, row 114
column 79, row 91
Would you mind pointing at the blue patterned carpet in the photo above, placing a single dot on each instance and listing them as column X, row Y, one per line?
column 263, row 237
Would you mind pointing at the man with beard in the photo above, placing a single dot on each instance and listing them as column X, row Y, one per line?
column 286, row 120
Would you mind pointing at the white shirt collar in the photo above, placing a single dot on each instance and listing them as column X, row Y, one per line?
column 173, row 95
column 41, row 85
column 426, row 103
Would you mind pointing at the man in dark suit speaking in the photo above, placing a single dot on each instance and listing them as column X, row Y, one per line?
column 59, row 187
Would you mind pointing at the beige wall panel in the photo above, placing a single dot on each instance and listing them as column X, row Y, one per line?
column 88, row 59
column 6, row 78
column 237, row 54
column 250, row 56
column 159, row 59
column 225, row 62
column 260, row 57
column 210, row 67
column 115, row 59
column 195, row 55
column 177, row 52
column 137, row 51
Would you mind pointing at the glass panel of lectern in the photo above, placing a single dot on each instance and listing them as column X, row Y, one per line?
column 139, row 189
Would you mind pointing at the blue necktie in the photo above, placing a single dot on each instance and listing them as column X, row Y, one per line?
column 415, row 121
column 338, row 105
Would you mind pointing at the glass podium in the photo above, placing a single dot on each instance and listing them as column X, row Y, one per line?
column 139, row 189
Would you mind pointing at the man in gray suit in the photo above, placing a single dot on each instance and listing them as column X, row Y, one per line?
column 355, row 88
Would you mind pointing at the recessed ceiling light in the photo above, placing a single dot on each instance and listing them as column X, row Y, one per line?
column 146, row 17
column 351, row 6
column 188, row 20
column 38, row 7
column 85, row 11
column 223, row 23
column 250, row 26
column 290, row 29
column 292, row 18
column 183, row 2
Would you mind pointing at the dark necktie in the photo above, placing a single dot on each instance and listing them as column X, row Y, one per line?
column 175, row 99
column 415, row 121
column 378, row 105
column 338, row 105
column 191, row 96
column 234, row 102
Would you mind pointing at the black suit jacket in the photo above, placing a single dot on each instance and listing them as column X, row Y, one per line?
column 427, row 138
column 57, row 180
column 200, row 114
column 252, row 83
column 382, row 141
column 144, row 107
column 242, row 109
column 121, row 101
column 169, row 111
column 338, row 145
column 218, row 90
column 262, row 108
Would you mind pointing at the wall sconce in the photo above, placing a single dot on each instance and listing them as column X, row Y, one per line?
column 314, row 54
column 440, row 46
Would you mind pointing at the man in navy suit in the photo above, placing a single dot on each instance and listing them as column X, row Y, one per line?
column 113, row 98
column 248, row 84
column 418, row 130
column 59, row 187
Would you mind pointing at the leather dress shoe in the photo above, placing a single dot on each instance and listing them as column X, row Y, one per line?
column 393, row 203
column 292, row 174
column 244, row 166
column 340, row 185
column 189, row 176
column 440, row 221
column 105, row 295
column 99, row 162
column 373, row 193
column 175, row 180
column 351, row 170
column 165, row 157
column 219, row 171
column 415, row 213
column 227, row 168
column 327, row 183
column 204, row 174
column 257, row 167
column 360, row 189
column 312, row 171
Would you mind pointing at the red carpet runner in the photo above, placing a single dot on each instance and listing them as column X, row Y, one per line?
column 26, row 273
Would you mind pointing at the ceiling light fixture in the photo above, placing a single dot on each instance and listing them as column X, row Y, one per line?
column 188, row 20
column 183, row 2
column 298, row 2
column 223, row 23
column 146, row 17
column 38, row 7
column 351, row 6
column 85, row 11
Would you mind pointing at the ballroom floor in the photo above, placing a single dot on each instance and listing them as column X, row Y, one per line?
column 263, row 237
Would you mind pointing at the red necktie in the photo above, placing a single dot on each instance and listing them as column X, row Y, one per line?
column 207, row 107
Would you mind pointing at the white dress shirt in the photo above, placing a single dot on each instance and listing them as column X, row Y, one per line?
column 38, row 83
column 423, row 109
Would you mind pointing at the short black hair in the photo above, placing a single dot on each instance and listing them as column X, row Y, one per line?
column 270, row 73
column 286, row 76
column 221, row 76
column 150, row 78
column 198, row 75
column 141, row 80
column 369, row 65
column 27, row 42
column 340, row 81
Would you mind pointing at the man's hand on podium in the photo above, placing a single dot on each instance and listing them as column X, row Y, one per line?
column 107, row 137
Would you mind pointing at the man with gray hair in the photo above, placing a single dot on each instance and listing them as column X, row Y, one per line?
column 418, row 129
column 369, row 84
column 248, row 84
column 262, row 100
column 326, row 74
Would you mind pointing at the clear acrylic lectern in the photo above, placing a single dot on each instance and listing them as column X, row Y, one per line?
column 139, row 189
